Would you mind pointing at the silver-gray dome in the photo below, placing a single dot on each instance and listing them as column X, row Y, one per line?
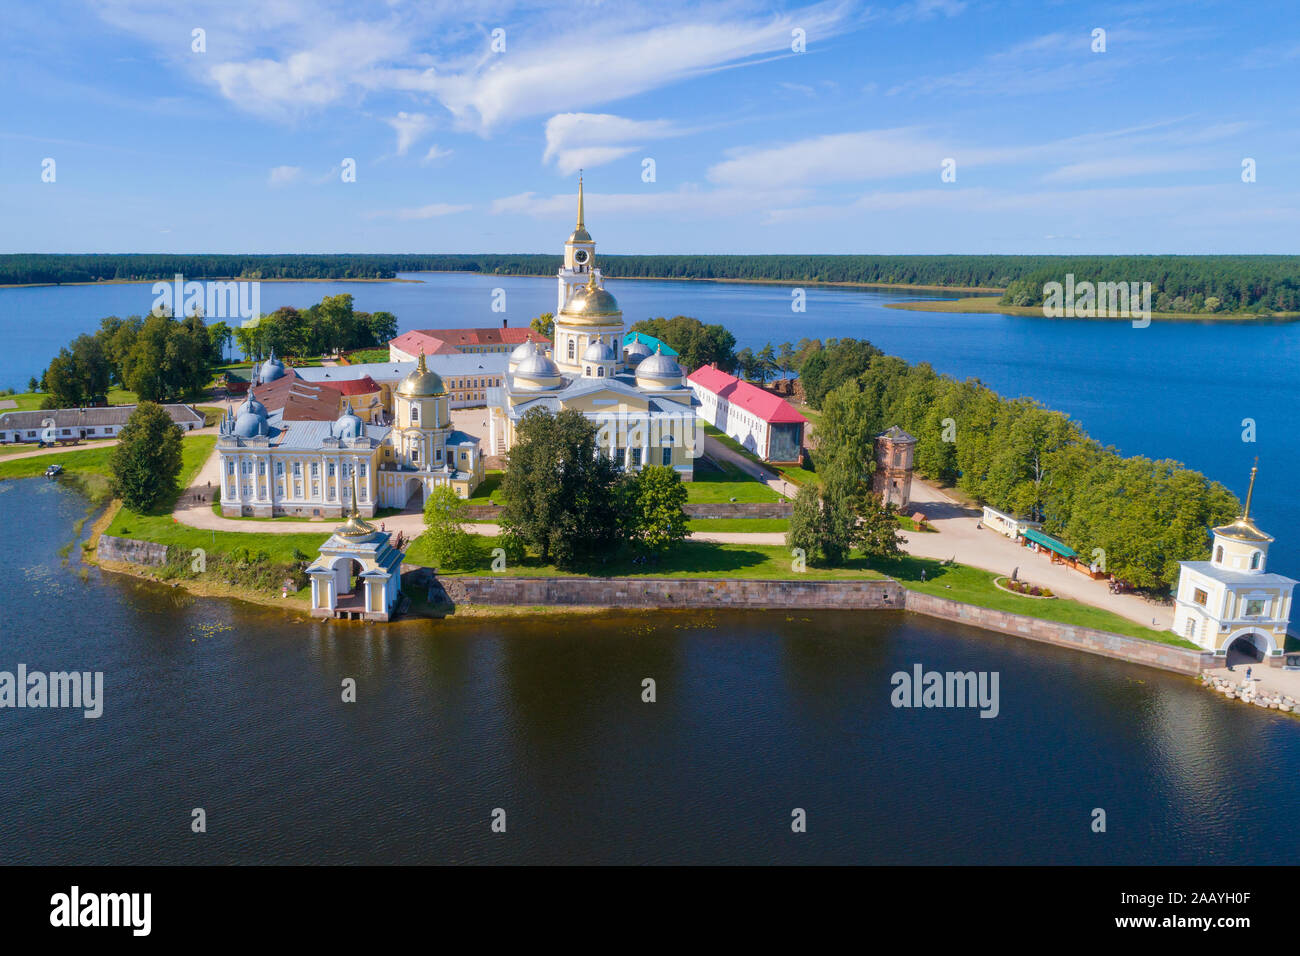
column 537, row 366
column 249, row 425
column 598, row 352
column 524, row 350
column 271, row 369
column 659, row 366
column 636, row 352
column 349, row 424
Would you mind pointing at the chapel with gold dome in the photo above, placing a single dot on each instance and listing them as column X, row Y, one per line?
column 640, row 401
column 1233, row 602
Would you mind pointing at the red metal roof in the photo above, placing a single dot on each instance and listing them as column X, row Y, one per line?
column 450, row 341
column 415, row 342
column 356, row 386
column 758, row 402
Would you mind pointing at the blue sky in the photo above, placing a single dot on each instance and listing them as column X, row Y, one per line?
column 756, row 147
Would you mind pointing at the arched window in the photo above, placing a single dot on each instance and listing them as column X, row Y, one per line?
column 600, row 371
column 415, row 412
column 570, row 350
column 587, row 371
column 1218, row 555
column 1254, row 561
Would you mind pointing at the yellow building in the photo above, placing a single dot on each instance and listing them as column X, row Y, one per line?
column 1231, row 599
column 643, row 406
column 423, row 450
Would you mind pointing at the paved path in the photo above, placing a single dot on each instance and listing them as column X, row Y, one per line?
column 957, row 537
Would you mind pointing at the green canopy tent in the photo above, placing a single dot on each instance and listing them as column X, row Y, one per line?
column 1050, row 543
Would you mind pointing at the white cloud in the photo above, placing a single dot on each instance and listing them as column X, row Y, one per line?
column 839, row 157
column 289, row 57
column 284, row 175
column 686, row 202
column 409, row 127
column 310, row 77
column 620, row 61
column 435, row 152
column 1117, row 167
column 586, row 140
column 431, row 211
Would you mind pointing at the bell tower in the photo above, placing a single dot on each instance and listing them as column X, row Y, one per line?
column 579, row 258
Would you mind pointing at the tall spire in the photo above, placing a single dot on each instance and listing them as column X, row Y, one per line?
column 581, row 224
column 1250, row 491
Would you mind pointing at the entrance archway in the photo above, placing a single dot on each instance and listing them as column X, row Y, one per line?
column 414, row 493
column 350, row 590
column 1247, row 649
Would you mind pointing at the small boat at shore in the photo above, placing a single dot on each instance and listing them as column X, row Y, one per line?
column 53, row 471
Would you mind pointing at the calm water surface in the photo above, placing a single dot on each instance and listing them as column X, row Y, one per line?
column 1173, row 390
column 237, row 709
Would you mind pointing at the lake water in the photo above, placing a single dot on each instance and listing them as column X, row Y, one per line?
column 236, row 709
column 1173, row 390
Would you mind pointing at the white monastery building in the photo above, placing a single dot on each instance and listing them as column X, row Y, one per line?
column 1232, row 598
column 638, row 400
column 763, row 423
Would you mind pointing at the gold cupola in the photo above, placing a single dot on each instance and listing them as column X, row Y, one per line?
column 1244, row 528
column 591, row 304
column 421, row 383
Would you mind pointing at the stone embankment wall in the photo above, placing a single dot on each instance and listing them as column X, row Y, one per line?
column 151, row 553
column 846, row 595
column 1165, row 656
column 672, row 592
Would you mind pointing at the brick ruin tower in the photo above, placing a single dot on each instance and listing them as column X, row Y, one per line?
column 893, row 477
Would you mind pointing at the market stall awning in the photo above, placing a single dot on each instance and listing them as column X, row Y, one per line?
column 1047, row 541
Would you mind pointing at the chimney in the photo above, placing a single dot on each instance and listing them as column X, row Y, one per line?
column 504, row 323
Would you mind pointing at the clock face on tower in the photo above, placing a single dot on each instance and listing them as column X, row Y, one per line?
column 581, row 256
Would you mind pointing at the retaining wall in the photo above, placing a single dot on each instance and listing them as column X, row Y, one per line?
column 1165, row 656
column 672, row 592
column 128, row 549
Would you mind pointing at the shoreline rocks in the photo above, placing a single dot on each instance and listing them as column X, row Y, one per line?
column 1249, row 692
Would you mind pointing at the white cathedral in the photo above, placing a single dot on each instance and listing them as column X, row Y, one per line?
column 639, row 400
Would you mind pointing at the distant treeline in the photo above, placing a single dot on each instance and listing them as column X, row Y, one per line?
column 1179, row 283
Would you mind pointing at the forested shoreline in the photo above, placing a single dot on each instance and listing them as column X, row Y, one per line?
column 1191, row 284
column 1136, row 516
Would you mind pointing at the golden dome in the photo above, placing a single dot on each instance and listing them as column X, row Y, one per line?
column 421, row 383
column 1244, row 528
column 592, row 302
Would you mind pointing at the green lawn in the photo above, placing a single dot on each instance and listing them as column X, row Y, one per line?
column 489, row 492
column 692, row 559
column 364, row 356
column 969, row 585
column 161, row 527
column 746, row 525
column 705, row 560
column 795, row 474
column 30, row 401
column 722, row 481
column 85, row 461
column 18, row 449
